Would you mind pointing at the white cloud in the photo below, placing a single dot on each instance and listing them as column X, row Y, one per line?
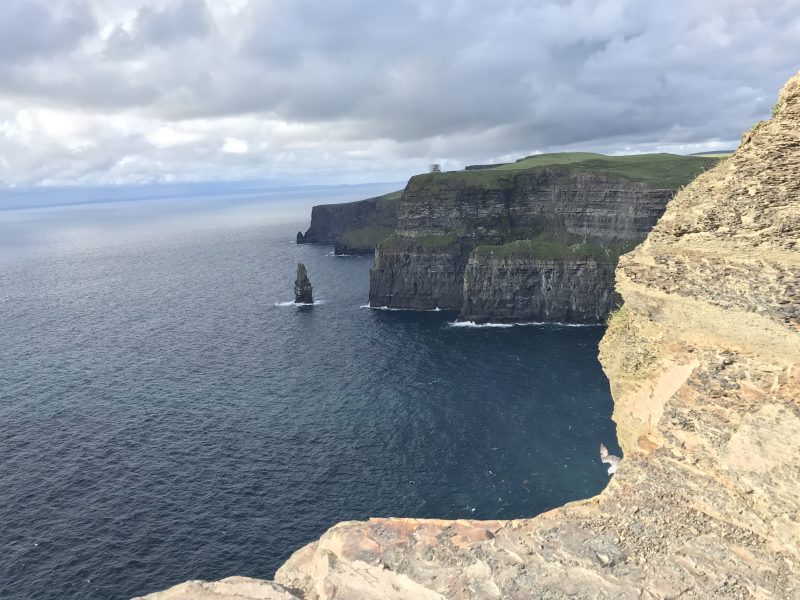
column 168, row 137
column 149, row 90
column 235, row 146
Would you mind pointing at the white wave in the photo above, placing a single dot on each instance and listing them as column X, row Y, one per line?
column 481, row 325
column 382, row 307
column 437, row 309
column 293, row 303
column 527, row 324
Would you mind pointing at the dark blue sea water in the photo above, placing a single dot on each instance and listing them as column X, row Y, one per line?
column 164, row 416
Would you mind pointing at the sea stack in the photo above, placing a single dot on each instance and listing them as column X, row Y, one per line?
column 302, row 286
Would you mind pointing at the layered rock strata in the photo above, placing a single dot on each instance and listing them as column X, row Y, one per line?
column 442, row 218
column 521, row 288
column 703, row 364
column 418, row 275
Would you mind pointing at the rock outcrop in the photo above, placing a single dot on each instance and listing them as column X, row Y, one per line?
column 303, row 292
column 443, row 218
column 354, row 227
column 703, row 363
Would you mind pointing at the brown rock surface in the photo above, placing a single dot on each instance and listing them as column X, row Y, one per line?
column 232, row 588
column 704, row 364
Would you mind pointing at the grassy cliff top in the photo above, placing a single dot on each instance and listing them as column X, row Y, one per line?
column 381, row 224
column 390, row 197
column 551, row 246
column 396, row 243
column 663, row 171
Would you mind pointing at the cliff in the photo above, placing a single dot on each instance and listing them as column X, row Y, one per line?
column 563, row 204
column 515, row 283
column 702, row 361
column 355, row 227
column 419, row 273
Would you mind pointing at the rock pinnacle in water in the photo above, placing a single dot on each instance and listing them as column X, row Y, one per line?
column 302, row 286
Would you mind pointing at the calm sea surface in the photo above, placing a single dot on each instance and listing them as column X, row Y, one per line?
column 165, row 415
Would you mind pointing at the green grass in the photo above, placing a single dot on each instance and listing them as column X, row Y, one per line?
column 435, row 241
column 366, row 237
column 715, row 155
column 553, row 158
column 485, row 178
column 669, row 171
column 665, row 171
column 391, row 196
column 381, row 224
column 556, row 246
column 395, row 243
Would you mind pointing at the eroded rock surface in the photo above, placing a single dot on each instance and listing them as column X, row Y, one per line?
column 524, row 288
column 303, row 292
column 704, row 364
column 232, row 588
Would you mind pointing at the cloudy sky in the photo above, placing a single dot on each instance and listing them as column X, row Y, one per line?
column 334, row 91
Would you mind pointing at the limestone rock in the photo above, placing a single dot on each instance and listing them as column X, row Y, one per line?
column 302, row 286
column 232, row 588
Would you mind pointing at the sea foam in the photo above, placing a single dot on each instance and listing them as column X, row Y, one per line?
column 473, row 324
column 293, row 303
column 437, row 309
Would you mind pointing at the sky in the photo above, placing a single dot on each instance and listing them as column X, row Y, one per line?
column 343, row 91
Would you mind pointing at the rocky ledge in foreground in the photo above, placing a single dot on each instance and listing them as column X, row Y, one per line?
column 703, row 363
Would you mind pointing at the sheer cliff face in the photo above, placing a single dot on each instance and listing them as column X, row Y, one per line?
column 529, row 201
column 330, row 221
column 418, row 270
column 407, row 274
column 521, row 288
column 703, row 363
column 355, row 227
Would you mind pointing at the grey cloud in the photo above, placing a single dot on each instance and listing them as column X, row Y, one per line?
column 559, row 78
column 31, row 28
column 464, row 80
column 185, row 20
column 159, row 28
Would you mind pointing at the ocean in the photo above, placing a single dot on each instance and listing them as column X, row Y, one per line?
column 166, row 412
